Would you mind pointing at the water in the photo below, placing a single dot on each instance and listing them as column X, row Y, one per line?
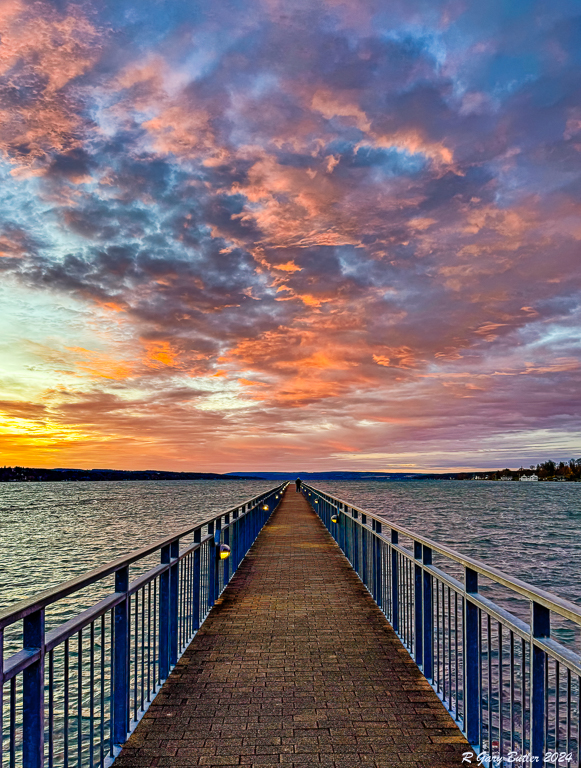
column 531, row 531
column 51, row 532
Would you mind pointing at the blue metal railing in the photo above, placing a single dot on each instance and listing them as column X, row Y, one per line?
column 512, row 688
column 71, row 696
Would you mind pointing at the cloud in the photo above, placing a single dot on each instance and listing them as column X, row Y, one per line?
column 340, row 224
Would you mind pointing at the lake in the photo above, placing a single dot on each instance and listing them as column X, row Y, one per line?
column 51, row 532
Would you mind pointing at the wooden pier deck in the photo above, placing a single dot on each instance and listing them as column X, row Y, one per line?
column 295, row 665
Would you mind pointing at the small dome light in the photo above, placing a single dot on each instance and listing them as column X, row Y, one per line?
column 316, row 501
column 224, row 551
column 265, row 507
column 335, row 518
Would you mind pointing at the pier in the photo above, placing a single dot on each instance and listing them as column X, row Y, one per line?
column 296, row 664
column 294, row 628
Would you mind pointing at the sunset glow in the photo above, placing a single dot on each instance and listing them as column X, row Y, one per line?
column 301, row 235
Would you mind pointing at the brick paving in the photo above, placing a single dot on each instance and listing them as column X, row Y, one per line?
column 295, row 665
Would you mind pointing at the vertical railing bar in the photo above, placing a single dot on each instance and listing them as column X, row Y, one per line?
column 437, row 635
column 481, row 688
column 500, row 691
column 511, row 682
column 449, row 650
column 149, row 641
column 91, row 693
column 547, row 724
column 456, row 654
column 135, row 654
column 155, row 672
column 66, row 704
column 142, row 700
column 557, row 705
column 523, row 694
column 578, row 718
column 50, row 709
column 102, row 701
column 489, row 679
column 1, row 698
column 79, row 697
column 568, row 723
column 12, row 737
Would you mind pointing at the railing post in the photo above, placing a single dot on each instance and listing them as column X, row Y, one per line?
column 211, row 566
column 227, row 541
column 394, row 583
column 120, row 681
column 541, row 627
column 428, row 620
column 33, row 694
column 196, row 579
column 378, row 571
column 418, row 605
column 356, row 531
column 216, row 563
column 174, row 601
column 471, row 660
column 373, row 563
column 164, row 612
column 364, row 578
column 234, row 539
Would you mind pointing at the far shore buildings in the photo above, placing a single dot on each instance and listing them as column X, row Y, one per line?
column 523, row 478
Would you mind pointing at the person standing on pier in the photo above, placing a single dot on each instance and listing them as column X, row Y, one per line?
column 298, row 484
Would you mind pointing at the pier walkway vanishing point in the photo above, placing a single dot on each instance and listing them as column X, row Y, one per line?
column 295, row 665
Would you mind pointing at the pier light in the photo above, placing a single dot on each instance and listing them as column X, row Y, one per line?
column 335, row 517
column 224, row 551
column 316, row 501
column 265, row 507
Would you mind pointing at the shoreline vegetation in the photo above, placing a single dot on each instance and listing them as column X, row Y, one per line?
column 33, row 475
column 546, row 471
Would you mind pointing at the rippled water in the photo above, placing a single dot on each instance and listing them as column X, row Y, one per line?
column 51, row 532
column 531, row 531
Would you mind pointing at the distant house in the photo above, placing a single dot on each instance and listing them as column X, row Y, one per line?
column 529, row 478
column 506, row 477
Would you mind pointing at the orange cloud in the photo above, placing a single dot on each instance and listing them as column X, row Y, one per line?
column 49, row 50
column 100, row 365
column 160, row 354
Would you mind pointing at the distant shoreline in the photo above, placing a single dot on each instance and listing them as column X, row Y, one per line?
column 35, row 475
column 32, row 475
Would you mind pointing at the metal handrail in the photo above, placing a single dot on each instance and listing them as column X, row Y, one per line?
column 24, row 607
column 507, row 682
column 557, row 604
column 103, row 667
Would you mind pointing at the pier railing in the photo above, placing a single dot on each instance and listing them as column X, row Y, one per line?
column 71, row 696
column 513, row 689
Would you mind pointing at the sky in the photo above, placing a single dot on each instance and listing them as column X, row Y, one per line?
column 299, row 235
